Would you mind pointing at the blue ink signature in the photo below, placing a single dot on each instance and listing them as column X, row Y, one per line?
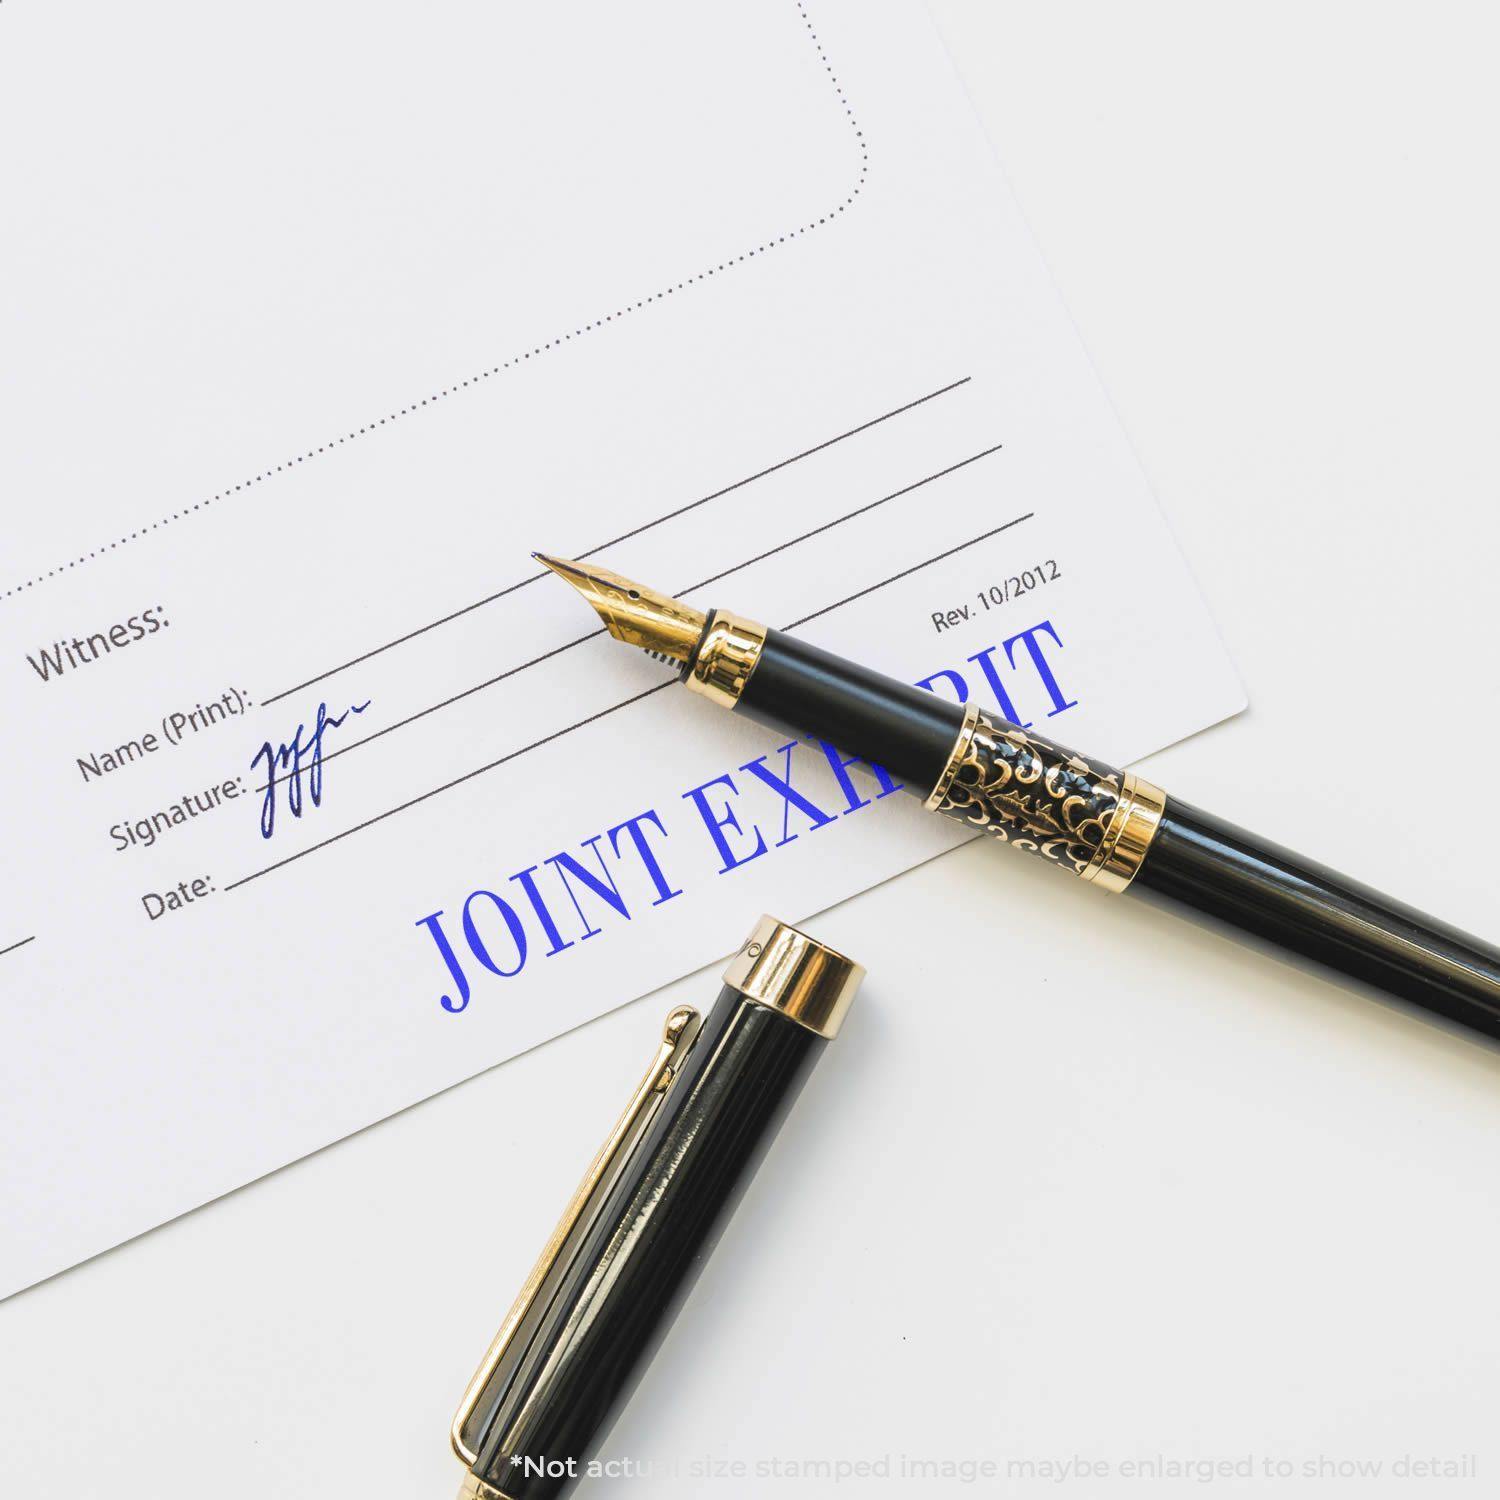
column 302, row 755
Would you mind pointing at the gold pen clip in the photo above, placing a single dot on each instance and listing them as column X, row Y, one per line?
column 678, row 1035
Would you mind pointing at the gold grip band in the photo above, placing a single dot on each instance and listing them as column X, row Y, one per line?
column 1024, row 790
column 726, row 657
column 1128, row 838
column 958, row 756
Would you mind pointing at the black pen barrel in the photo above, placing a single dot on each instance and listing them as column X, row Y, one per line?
column 1203, row 867
column 906, row 730
column 1113, row 828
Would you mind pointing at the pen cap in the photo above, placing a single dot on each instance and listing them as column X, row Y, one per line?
column 648, row 1214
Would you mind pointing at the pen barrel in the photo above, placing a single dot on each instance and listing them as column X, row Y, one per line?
column 1244, row 885
column 616, row 1298
column 906, row 730
column 1116, row 829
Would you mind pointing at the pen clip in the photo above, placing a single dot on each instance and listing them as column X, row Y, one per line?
column 679, row 1033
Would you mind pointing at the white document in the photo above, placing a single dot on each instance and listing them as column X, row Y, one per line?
column 314, row 321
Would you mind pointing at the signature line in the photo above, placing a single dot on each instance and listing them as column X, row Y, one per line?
column 457, row 781
column 603, row 713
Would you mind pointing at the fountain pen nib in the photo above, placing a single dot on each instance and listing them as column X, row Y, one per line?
column 659, row 625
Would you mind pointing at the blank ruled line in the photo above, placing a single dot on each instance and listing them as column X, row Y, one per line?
column 567, row 729
column 594, row 634
column 401, row 640
column 963, row 463
column 671, row 515
column 14, row 946
column 786, row 462
column 907, row 572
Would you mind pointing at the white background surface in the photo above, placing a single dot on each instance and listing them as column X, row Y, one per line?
column 1209, row 1208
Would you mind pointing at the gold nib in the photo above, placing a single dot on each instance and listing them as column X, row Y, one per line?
column 661, row 626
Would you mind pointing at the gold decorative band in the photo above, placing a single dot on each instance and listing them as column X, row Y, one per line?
column 956, row 758
column 1023, row 789
column 795, row 974
column 726, row 658
column 1128, row 837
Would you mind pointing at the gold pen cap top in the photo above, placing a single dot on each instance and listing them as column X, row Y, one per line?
column 793, row 973
column 656, row 623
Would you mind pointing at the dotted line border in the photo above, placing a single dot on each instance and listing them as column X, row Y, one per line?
column 518, row 359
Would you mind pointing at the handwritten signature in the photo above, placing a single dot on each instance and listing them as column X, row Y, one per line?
column 304, row 755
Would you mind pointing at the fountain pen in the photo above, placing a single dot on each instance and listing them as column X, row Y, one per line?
column 1111, row 828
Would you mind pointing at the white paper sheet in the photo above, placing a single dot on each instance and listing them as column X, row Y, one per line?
column 313, row 323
